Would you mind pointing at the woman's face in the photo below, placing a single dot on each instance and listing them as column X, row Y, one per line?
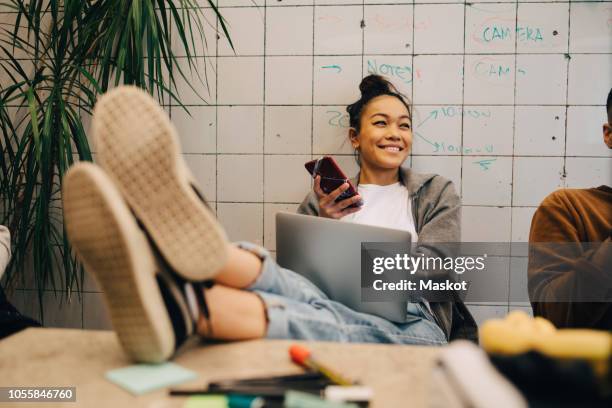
column 385, row 138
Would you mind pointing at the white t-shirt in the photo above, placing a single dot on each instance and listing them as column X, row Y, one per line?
column 385, row 206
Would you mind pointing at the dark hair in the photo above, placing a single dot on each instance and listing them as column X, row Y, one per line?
column 609, row 106
column 371, row 87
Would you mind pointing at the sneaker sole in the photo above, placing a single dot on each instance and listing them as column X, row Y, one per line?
column 107, row 239
column 139, row 149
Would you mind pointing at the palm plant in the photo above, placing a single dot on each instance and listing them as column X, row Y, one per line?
column 56, row 57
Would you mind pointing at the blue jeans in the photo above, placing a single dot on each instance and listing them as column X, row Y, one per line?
column 297, row 309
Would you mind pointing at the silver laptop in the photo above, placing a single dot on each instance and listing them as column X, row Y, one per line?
column 328, row 253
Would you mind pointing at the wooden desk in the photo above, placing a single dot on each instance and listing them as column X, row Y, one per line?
column 63, row 357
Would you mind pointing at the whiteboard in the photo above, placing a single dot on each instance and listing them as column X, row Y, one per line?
column 508, row 102
column 508, row 98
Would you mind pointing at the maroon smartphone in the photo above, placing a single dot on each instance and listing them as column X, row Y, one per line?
column 332, row 178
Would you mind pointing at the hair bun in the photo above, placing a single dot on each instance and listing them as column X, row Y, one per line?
column 374, row 84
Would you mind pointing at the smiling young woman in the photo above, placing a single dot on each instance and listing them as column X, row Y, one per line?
column 185, row 278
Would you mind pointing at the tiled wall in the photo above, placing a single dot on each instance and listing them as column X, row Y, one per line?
column 507, row 116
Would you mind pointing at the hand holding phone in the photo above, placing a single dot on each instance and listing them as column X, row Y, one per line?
column 337, row 195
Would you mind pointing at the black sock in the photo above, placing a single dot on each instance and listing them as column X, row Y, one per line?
column 174, row 297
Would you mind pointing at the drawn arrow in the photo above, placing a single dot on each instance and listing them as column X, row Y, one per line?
column 434, row 144
column 485, row 164
column 334, row 67
column 431, row 114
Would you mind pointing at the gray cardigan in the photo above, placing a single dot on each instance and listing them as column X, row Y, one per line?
column 436, row 209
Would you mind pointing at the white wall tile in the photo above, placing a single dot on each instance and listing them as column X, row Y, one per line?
column 582, row 91
column 590, row 27
column 237, row 3
column 530, row 89
column 588, row 172
column 542, row 27
column 204, row 170
column 388, row 29
column 204, row 43
column 289, row 80
column 288, row 3
column 539, row 131
column 289, row 30
column 270, row 211
column 489, row 79
column 246, row 29
column 437, row 79
column 395, row 68
column 331, row 125
column 435, row 132
column 438, row 28
column 449, row 167
column 200, row 86
column 485, row 224
column 288, row 129
column 387, row 1
column 584, row 131
column 521, row 223
column 240, row 129
column 240, row 178
column 287, row 180
column 242, row 221
column 490, row 28
column 482, row 186
column 336, row 80
column 535, row 178
column 240, row 80
column 337, row 30
column 198, row 132
column 336, row 2
column 487, row 129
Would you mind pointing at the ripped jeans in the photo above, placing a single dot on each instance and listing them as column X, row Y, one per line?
column 297, row 309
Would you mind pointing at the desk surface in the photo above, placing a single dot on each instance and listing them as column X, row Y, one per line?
column 63, row 357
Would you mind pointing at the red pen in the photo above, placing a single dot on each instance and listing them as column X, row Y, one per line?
column 302, row 356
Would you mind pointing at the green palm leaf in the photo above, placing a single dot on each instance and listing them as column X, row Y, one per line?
column 73, row 50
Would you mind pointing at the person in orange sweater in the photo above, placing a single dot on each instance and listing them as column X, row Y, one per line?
column 570, row 257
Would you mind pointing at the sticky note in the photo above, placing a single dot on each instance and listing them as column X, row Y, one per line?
column 206, row 401
column 296, row 399
column 141, row 378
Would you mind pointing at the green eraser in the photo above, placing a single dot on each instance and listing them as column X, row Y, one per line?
column 206, row 401
column 295, row 399
column 141, row 378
